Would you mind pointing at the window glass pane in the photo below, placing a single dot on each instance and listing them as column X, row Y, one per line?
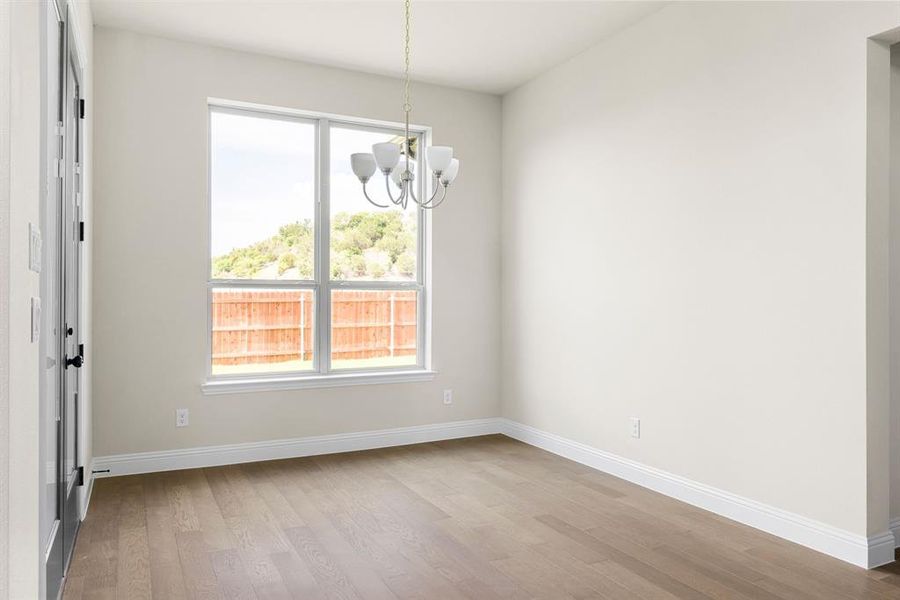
column 367, row 243
column 373, row 328
column 261, row 331
column 262, row 179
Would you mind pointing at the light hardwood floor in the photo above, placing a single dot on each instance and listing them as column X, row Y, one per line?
column 479, row 518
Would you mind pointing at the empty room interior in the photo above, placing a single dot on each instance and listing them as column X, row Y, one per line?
column 428, row 299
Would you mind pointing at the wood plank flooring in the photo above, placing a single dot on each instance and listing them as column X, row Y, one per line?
column 480, row 518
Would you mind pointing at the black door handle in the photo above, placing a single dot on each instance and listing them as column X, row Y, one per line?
column 75, row 362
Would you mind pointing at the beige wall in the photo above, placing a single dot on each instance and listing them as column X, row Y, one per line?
column 25, row 109
column 688, row 201
column 878, row 284
column 4, row 296
column 895, row 280
column 151, row 236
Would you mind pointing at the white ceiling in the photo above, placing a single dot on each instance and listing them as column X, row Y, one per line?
column 490, row 46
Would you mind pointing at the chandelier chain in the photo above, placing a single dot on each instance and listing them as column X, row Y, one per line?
column 406, row 105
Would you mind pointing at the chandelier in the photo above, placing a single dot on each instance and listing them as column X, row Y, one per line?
column 386, row 158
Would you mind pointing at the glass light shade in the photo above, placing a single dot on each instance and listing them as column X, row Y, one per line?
column 397, row 173
column 450, row 173
column 363, row 164
column 439, row 157
column 387, row 155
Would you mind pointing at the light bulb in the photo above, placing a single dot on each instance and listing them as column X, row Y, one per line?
column 387, row 155
column 363, row 165
column 439, row 157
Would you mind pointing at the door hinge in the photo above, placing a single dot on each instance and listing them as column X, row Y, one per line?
column 81, row 108
column 80, row 231
column 79, row 476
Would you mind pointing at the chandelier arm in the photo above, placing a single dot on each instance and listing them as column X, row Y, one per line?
column 395, row 201
column 438, row 187
column 434, row 200
column 366, row 194
column 431, row 203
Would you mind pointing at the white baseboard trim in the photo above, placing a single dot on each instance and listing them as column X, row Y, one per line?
column 856, row 549
column 881, row 550
column 213, row 456
column 895, row 530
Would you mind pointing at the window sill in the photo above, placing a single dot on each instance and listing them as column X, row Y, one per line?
column 303, row 382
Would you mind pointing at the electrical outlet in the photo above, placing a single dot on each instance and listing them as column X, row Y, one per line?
column 635, row 427
column 448, row 396
column 182, row 417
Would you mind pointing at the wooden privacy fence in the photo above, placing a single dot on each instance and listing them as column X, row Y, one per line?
column 266, row 326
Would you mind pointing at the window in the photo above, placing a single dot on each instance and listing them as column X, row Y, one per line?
column 308, row 281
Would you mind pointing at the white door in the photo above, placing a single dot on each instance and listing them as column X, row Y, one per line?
column 71, row 294
column 61, row 344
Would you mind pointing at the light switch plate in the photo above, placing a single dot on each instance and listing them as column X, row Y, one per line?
column 34, row 248
column 35, row 319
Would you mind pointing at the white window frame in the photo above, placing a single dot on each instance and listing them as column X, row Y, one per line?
column 322, row 285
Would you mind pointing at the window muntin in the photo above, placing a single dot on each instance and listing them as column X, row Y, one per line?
column 277, row 301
